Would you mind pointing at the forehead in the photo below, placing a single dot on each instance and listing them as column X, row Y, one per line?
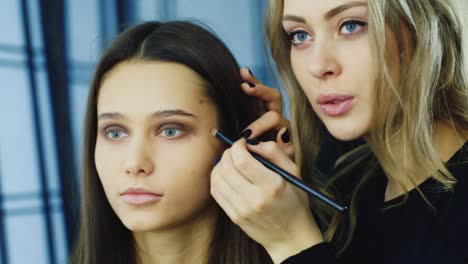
column 308, row 8
column 148, row 86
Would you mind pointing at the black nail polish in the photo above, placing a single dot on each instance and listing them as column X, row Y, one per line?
column 251, row 84
column 285, row 137
column 246, row 133
column 252, row 141
column 250, row 72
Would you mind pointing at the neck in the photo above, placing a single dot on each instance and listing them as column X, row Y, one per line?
column 447, row 141
column 185, row 243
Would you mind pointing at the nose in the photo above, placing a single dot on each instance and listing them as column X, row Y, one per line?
column 323, row 61
column 139, row 160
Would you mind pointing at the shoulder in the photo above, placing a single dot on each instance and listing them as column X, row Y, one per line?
column 458, row 164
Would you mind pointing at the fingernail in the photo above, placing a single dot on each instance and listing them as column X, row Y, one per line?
column 246, row 133
column 251, row 84
column 250, row 72
column 252, row 141
column 285, row 137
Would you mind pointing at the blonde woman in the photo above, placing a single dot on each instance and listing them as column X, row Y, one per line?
column 390, row 72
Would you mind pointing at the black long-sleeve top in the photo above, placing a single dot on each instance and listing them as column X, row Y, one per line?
column 410, row 233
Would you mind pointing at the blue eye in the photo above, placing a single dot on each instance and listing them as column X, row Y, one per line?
column 171, row 132
column 115, row 134
column 352, row 26
column 298, row 37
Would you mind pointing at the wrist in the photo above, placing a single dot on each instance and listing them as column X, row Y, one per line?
column 285, row 249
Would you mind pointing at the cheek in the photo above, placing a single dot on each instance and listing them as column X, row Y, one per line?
column 187, row 167
column 106, row 163
column 298, row 65
column 359, row 73
column 303, row 77
column 99, row 154
column 99, row 160
column 185, row 174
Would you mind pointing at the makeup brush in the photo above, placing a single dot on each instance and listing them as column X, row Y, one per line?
column 286, row 175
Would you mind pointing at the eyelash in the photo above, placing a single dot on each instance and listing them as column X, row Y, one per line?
column 175, row 127
column 113, row 128
column 359, row 23
column 294, row 34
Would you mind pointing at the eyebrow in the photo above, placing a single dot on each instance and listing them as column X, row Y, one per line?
column 157, row 114
column 336, row 10
column 293, row 18
column 330, row 13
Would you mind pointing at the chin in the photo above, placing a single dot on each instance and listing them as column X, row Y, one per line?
column 345, row 136
column 344, row 132
column 142, row 222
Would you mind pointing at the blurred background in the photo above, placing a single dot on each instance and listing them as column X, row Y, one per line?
column 48, row 50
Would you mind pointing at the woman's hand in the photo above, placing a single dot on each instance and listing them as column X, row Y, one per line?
column 270, row 210
column 273, row 118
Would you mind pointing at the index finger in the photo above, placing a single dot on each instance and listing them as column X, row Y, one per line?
column 271, row 96
column 253, row 87
column 254, row 170
column 268, row 121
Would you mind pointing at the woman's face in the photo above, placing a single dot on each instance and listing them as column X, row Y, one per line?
column 154, row 152
column 331, row 59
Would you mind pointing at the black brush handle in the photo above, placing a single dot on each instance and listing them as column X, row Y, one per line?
column 289, row 177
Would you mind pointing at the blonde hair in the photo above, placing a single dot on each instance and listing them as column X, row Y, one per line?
column 432, row 87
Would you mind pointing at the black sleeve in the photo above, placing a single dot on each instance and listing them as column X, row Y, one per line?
column 320, row 253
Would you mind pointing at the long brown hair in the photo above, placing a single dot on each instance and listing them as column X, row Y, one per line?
column 102, row 236
column 433, row 88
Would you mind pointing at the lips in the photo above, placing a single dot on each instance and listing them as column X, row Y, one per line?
column 335, row 104
column 140, row 196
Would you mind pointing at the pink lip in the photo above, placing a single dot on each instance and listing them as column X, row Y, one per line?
column 139, row 196
column 335, row 104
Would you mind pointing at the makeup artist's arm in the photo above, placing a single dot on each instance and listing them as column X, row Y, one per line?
column 273, row 118
column 270, row 210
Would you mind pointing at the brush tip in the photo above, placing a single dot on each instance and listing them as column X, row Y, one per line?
column 213, row 131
